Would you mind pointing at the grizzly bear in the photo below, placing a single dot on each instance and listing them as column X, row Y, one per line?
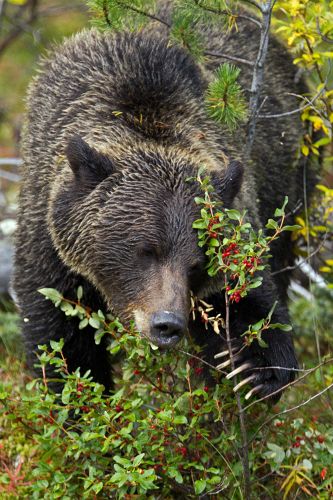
column 116, row 124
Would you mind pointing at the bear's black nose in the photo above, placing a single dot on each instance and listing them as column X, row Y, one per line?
column 167, row 328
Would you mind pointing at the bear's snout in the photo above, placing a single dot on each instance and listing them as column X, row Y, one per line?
column 167, row 328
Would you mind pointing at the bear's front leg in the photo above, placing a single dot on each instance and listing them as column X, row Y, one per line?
column 267, row 369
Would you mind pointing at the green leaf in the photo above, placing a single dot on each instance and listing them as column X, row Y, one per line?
column 199, row 200
column 57, row 346
column 272, row 224
column 281, row 326
column 276, row 453
column 51, row 294
column 122, row 461
column 180, row 419
column 257, row 326
column 138, row 459
column 278, row 212
column 199, row 486
column 256, row 283
column 83, row 323
column 174, row 473
column 262, row 343
column 295, row 227
column 79, row 292
column 213, row 242
column 99, row 334
column 94, row 322
column 66, row 394
column 233, row 214
column 269, row 316
column 199, row 224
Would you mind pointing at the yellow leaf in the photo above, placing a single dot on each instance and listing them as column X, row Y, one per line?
column 305, row 150
column 314, row 151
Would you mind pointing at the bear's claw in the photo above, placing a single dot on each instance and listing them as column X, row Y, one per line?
column 240, row 369
column 225, row 353
column 254, row 390
column 246, row 380
column 228, row 362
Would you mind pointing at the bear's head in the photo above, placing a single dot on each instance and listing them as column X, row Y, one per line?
column 134, row 238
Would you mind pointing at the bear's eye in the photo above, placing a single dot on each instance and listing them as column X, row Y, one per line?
column 195, row 268
column 148, row 252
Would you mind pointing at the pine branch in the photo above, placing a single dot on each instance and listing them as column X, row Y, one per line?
column 224, row 97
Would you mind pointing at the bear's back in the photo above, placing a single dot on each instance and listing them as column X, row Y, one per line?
column 95, row 77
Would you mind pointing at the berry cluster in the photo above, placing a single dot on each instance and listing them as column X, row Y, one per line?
column 232, row 249
column 214, row 220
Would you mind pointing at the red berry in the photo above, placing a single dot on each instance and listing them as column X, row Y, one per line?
column 297, row 444
column 320, row 439
column 136, row 372
column 323, row 473
column 183, row 451
column 118, row 408
column 85, row 409
column 198, row 371
column 206, row 388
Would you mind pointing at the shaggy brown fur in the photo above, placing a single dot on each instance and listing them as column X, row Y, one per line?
column 116, row 123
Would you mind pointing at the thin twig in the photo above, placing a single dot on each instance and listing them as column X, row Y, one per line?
column 144, row 13
column 323, row 37
column 106, row 13
column 258, row 72
column 230, row 58
column 300, row 263
column 254, row 4
column 296, row 110
column 19, row 25
column 224, row 12
column 244, row 447
column 293, row 408
column 190, row 355
column 290, row 384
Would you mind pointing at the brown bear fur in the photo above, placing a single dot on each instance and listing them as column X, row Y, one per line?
column 116, row 123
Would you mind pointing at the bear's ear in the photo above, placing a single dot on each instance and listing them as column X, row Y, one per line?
column 88, row 165
column 231, row 182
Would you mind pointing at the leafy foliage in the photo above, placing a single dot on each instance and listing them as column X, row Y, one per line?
column 307, row 27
